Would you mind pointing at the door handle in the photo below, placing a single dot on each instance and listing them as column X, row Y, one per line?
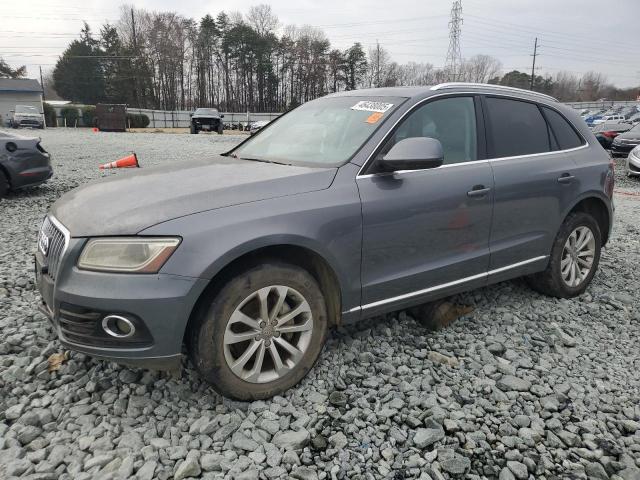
column 478, row 191
column 565, row 178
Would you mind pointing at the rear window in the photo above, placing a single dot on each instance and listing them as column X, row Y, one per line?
column 564, row 133
column 517, row 128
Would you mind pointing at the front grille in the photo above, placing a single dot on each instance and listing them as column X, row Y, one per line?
column 57, row 244
column 30, row 122
column 83, row 326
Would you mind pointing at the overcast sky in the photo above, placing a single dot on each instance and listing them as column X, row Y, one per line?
column 574, row 35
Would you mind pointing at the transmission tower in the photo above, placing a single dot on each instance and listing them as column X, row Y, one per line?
column 454, row 56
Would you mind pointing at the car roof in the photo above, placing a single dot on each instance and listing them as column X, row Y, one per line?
column 453, row 87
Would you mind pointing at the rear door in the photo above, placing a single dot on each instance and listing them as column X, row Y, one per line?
column 535, row 183
column 427, row 231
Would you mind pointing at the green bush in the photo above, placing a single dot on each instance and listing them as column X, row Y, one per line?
column 71, row 115
column 50, row 115
column 137, row 120
column 89, row 116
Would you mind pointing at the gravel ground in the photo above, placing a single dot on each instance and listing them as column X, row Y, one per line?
column 522, row 386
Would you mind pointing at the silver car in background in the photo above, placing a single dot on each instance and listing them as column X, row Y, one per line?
column 633, row 162
column 26, row 116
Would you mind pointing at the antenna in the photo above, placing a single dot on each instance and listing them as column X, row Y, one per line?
column 454, row 56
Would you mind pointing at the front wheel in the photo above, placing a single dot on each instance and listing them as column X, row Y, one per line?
column 262, row 332
column 574, row 258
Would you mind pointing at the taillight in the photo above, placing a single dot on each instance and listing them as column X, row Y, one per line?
column 609, row 181
column 611, row 134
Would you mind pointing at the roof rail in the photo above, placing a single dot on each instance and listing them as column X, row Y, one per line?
column 443, row 86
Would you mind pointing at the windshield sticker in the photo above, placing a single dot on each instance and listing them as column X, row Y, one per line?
column 367, row 106
column 374, row 117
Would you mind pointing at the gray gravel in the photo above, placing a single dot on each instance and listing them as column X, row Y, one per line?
column 522, row 387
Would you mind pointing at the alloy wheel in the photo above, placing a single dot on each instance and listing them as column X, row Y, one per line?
column 267, row 334
column 577, row 256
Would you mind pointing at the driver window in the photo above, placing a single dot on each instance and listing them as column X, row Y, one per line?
column 450, row 120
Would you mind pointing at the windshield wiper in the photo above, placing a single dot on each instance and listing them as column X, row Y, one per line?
column 262, row 160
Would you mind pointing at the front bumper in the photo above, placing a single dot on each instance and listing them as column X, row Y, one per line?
column 633, row 165
column 77, row 301
column 622, row 147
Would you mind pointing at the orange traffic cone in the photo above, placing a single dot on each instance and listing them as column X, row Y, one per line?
column 125, row 162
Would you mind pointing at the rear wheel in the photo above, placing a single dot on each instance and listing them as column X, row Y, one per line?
column 262, row 333
column 4, row 184
column 574, row 258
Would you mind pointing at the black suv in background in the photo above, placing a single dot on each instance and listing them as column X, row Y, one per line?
column 206, row 120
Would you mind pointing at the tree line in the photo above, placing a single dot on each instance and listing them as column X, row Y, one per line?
column 239, row 62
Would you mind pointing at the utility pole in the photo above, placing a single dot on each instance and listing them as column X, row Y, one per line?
column 42, row 83
column 533, row 67
column 453, row 61
column 133, row 64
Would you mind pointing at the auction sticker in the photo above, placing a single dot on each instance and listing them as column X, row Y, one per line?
column 367, row 106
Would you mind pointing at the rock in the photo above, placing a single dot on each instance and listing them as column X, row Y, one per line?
column 211, row 462
column 437, row 357
column 338, row 399
column 338, row 440
column 518, row 469
column 189, row 468
column 596, row 471
column 509, row 383
column 425, row 437
column 291, row 440
column 147, row 470
column 456, row 465
column 304, row 473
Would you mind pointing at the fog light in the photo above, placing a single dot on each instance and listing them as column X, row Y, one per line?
column 117, row 326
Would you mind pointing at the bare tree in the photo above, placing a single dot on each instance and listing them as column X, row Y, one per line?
column 262, row 19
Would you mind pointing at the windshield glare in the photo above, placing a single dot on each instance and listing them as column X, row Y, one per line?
column 25, row 109
column 323, row 132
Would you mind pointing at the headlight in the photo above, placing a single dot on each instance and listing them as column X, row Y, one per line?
column 129, row 255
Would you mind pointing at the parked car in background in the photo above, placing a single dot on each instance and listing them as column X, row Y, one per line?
column 349, row 206
column 606, row 132
column 590, row 120
column 23, row 162
column 206, row 120
column 609, row 119
column 26, row 116
column 256, row 126
column 633, row 162
column 625, row 142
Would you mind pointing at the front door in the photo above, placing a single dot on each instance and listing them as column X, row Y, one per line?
column 426, row 232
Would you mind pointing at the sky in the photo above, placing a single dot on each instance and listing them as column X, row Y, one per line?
column 573, row 35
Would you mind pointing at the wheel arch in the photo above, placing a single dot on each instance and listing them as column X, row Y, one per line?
column 302, row 256
column 597, row 206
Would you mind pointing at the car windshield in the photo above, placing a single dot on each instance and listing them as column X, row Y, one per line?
column 25, row 109
column 206, row 111
column 324, row 132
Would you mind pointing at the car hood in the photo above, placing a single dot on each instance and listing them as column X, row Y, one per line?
column 202, row 115
column 629, row 136
column 138, row 199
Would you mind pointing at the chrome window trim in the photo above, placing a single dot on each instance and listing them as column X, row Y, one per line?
column 446, row 285
column 424, row 100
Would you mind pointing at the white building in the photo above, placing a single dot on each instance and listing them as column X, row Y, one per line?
column 18, row 91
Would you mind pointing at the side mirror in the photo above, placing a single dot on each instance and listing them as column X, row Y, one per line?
column 12, row 111
column 415, row 153
column 191, row 114
column 222, row 115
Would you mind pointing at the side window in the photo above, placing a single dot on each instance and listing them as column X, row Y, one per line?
column 564, row 133
column 517, row 128
column 450, row 120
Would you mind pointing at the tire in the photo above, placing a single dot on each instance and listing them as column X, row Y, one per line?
column 4, row 184
column 210, row 340
column 551, row 281
column 193, row 129
column 220, row 129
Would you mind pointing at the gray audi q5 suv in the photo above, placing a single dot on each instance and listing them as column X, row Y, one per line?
column 349, row 206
